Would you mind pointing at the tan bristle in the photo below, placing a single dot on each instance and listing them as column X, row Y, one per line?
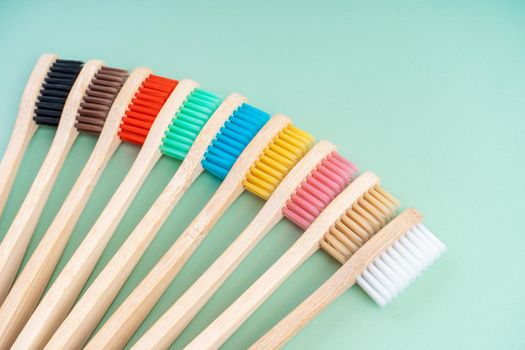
column 353, row 229
column 99, row 97
column 277, row 159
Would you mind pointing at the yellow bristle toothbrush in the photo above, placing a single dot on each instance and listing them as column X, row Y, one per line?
column 323, row 171
column 144, row 123
column 278, row 140
column 25, row 125
column 383, row 267
column 72, row 88
column 354, row 216
column 103, row 105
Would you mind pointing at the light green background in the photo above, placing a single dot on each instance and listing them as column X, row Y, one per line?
column 428, row 94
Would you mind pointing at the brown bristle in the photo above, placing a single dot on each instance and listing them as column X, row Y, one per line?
column 99, row 97
column 362, row 220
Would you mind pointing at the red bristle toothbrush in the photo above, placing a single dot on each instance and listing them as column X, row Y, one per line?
column 318, row 177
column 283, row 139
column 383, row 267
column 355, row 215
column 25, row 126
column 103, row 105
column 71, row 85
column 145, row 120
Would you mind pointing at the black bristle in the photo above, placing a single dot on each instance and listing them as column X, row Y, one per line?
column 55, row 89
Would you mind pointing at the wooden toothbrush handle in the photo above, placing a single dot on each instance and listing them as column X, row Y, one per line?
column 24, row 128
column 90, row 309
column 335, row 286
column 33, row 279
column 232, row 318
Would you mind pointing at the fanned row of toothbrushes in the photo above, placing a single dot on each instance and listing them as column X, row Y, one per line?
column 346, row 214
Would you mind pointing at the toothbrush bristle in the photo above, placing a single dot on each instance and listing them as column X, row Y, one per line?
column 330, row 177
column 395, row 268
column 191, row 117
column 232, row 139
column 370, row 213
column 277, row 159
column 97, row 101
column 144, row 107
column 55, row 89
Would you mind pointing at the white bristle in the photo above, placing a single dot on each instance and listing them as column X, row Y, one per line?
column 395, row 268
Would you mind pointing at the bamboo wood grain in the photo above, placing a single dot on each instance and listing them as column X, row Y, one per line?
column 341, row 280
column 231, row 319
column 116, row 332
column 59, row 299
column 16, row 240
column 30, row 284
column 24, row 128
column 99, row 296
column 173, row 322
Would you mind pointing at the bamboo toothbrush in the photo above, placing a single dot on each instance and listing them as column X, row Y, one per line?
column 100, row 112
column 326, row 173
column 241, row 123
column 361, row 210
column 71, row 85
column 283, row 138
column 383, row 267
column 25, row 126
column 144, row 122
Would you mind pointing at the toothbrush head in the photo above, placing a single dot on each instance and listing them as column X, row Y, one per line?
column 98, row 99
column 54, row 91
column 188, row 122
column 144, row 107
column 277, row 159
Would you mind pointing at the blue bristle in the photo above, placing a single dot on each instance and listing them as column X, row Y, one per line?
column 232, row 139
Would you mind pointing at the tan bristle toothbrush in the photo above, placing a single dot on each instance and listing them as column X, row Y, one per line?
column 234, row 123
column 355, row 215
column 145, row 121
column 103, row 105
column 322, row 170
column 25, row 126
column 16, row 240
column 278, row 135
column 383, row 267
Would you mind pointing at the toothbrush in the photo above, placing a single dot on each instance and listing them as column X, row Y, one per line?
column 357, row 213
column 71, row 85
column 318, row 177
column 277, row 134
column 383, row 267
column 146, row 118
column 241, row 123
column 25, row 126
column 101, row 110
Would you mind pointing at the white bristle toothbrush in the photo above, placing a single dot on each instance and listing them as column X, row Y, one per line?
column 322, row 170
column 285, row 140
column 383, row 267
column 16, row 240
column 103, row 105
column 354, row 216
column 147, row 117
column 24, row 128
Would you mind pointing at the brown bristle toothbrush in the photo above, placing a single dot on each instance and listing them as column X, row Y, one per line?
column 25, row 125
column 58, row 103
column 100, row 113
column 383, row 267
column 352, row 218
column 324, row 174
column 279, row 138
column 147, row 117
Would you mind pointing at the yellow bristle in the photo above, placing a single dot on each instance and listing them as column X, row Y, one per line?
column 277, row 159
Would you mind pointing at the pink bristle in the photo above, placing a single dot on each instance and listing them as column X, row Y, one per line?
column 330, row 177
